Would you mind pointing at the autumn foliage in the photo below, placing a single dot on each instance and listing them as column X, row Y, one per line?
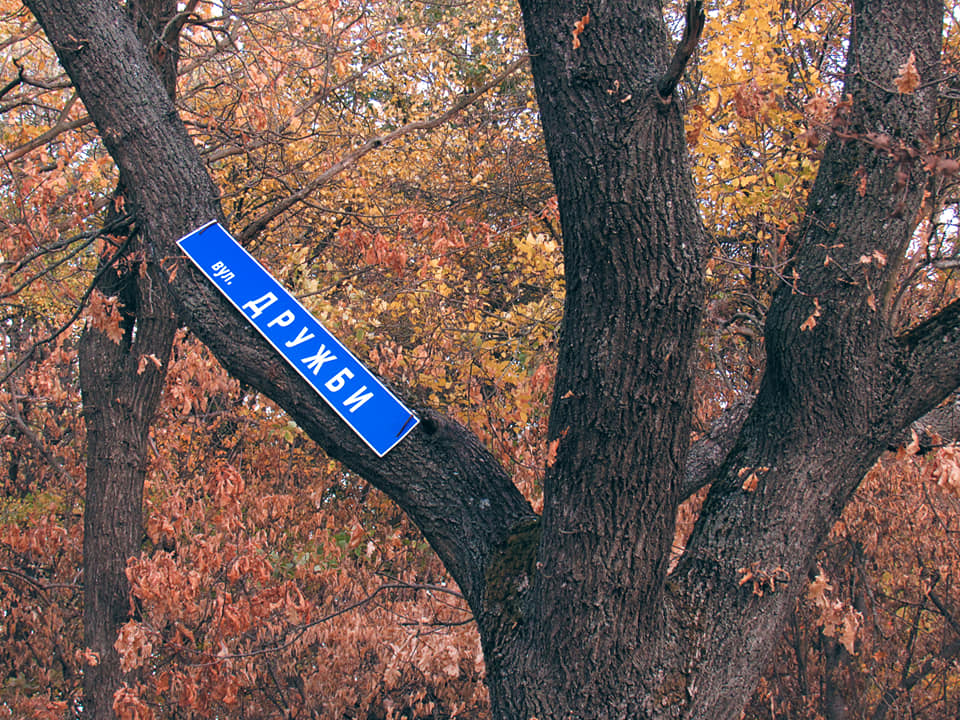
column 271, row 582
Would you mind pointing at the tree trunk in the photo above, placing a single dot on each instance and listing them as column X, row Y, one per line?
column 633, row 247
column 118, row 405
column 121, row 388
column 838, row 384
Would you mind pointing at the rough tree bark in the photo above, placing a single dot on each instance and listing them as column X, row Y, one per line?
column 121, row 388
column 577, row 614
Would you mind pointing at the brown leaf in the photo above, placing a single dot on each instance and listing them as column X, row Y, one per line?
column 908, row 79
column 144, row 359
column 104, row 315
column 552, row 452
column 747, row 100
column 849, row 628
column 811, row 322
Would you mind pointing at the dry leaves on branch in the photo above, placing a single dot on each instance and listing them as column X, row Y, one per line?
column 104, row 315
column 836, row 618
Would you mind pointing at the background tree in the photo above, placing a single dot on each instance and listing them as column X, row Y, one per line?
column 121, row 372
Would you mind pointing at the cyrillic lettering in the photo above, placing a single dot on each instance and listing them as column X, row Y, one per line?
column 301, row 337
column 315, row 362
column 218, row 266
column 357, row 399
column 283, row 319
column 336, row 383
column 257, row 306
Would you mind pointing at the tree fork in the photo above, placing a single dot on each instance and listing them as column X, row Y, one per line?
column 838, row 386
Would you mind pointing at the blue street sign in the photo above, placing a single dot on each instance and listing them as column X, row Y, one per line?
column 369, row 408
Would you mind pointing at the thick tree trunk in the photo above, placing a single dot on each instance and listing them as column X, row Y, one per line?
column 835, row 393
column 121, row 388
column 633, row 245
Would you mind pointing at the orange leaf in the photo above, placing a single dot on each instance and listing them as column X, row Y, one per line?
column 144, row 359
column 552, row 452
column 104, row 315
column 578, row 28
column 811, row 322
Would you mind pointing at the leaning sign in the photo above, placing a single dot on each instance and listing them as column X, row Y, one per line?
column 369, row 408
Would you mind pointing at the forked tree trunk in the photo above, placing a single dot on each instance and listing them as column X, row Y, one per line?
column 576, row 611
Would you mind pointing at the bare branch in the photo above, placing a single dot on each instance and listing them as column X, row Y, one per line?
column 43, row 138
column 25, row 357
column 13, row 414
column 706, row 455
column 691, row 36
column 302, row 629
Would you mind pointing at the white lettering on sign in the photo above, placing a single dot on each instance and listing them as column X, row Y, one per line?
column 327, row 365
column 357, row 399
column 301, row 337
column 317, row 360
column 336, row 383
column 284, row 319
column 222, row 272
column 256, row 307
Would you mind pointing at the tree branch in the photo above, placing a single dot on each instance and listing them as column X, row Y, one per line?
column 11, row 412
column 924, row 368
column 926, row 364
column 706, row 455
column 43, row 138
column 695, row 21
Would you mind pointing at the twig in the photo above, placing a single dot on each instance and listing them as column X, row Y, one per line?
column 70, row 321
column 326, row 618
column 42, row 587
column 12, row 414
